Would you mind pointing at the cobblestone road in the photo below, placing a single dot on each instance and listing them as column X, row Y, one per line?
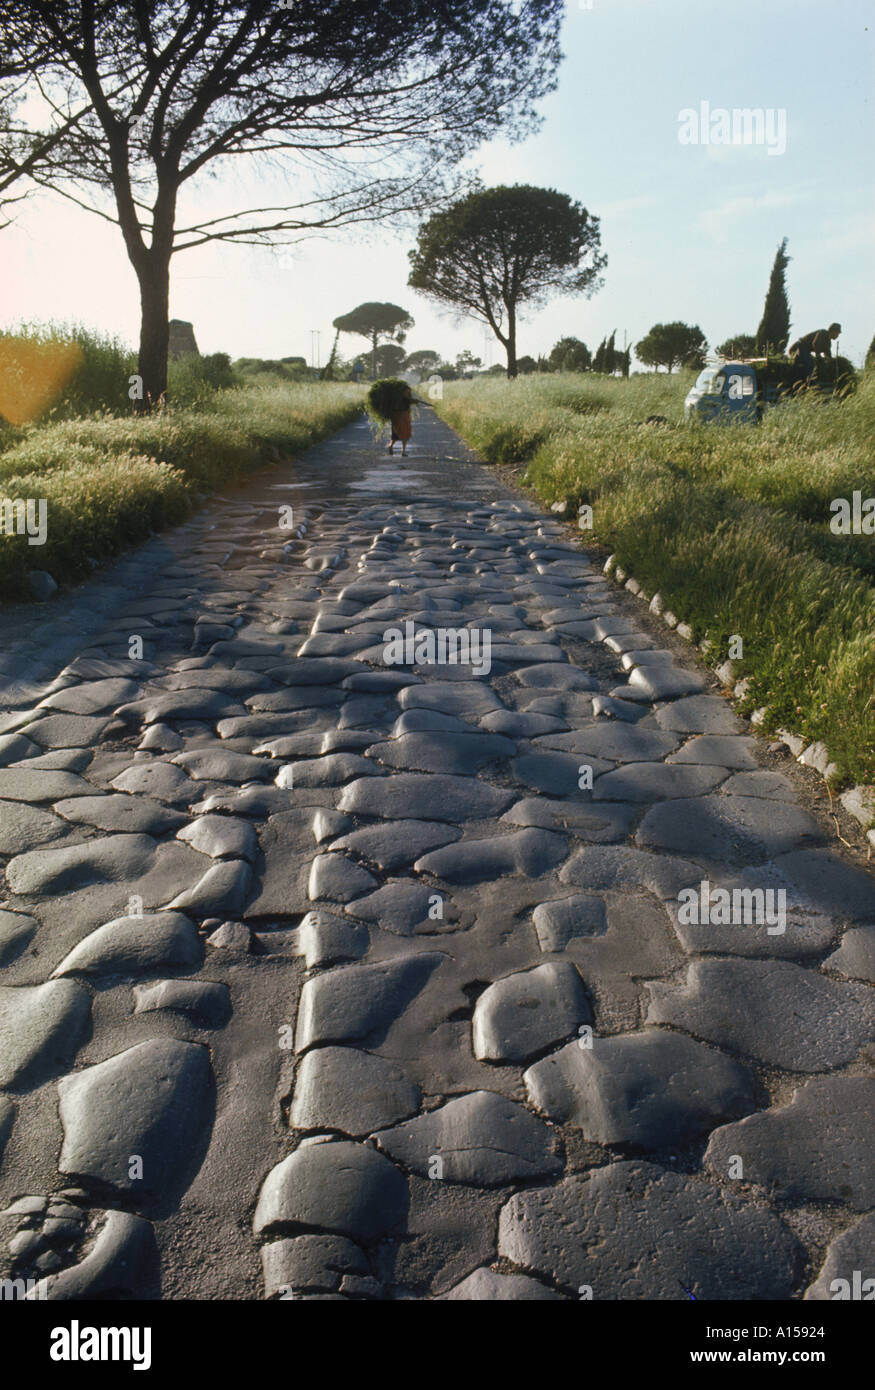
column 327, row 977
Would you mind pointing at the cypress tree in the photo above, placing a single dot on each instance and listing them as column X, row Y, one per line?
column 774, row 329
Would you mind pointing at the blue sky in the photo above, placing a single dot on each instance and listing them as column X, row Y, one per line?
column 690, row 231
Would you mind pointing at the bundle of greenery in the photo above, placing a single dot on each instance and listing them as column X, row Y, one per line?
column 389, row 397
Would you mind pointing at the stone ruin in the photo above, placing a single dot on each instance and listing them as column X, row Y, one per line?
column 182, row 340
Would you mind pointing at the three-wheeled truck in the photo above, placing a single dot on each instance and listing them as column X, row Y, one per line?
column 739, row 391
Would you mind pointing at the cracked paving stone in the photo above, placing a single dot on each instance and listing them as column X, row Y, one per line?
column 608, row 1231
column 699, row 714
column 404, row 908
column 180, row 704
column 324, row 939
column 347, row 1188
column 768, row 784
column 851, row 1259
column 218, row 764
column 617, row 742
column 603, row 823
column 24, row 827
column 486, row 1284
column 481, row 1138
column 342, row 1088
column 220, row 837
column 618, row 866
column 221, row 892
column 648, row 1089
column 396, row 844
column 355, row 1002
column 424, row 796
column 205, row 1001
column 855, row 958
column 338, row 879
column 727, row 829
column 151, row 1100
column 111, row 859
column 442, row 751
column 656, row 781
column 120, row 813
column 526, row 852
column 559, row 921
column 817, row 1148
column 16, row 932
column 333, row 770
column 118, row 1249
column 522, row 1014
column 21, row 784
column 792, row 1017
column 759, row 922
column 310, row 1264
column 828, row 884
column 135, row 946
column 41, row 1027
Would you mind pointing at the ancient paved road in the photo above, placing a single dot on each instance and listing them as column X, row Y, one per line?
column 325, row 977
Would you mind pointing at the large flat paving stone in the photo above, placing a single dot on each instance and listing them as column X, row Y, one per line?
column 656, row 782
column 405, row 908
column 221, row 837
column 480, row 1138
column 151, row 1101
column 23, row 827
column 527, row 852
column 396, row 844
column 223, row 891
column 206, row 1002
column 720, row 750
column 699, row 714
column 619, row 866
column 111, row 859
column 522, row 1014
column 424, row 796
column 648, row 1089
column 340, row 1187
column 817, row 1148
column 791, row 1017
column 169, row 705
column 338, row 879
column 608, row 1231
column 355, row 1092
column 41, row 1027
column 829, row 884
column 358, row 1001
column 136, row 815
column 218, row 764
column 135, row 946
column 442, row 751
column 555, row 774
column 464, row 699
column 91, row 697
column 604, row 823
column 855, row 957
column 728, row 829
column 38, row 785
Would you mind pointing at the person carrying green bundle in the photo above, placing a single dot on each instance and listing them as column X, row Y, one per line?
column 391, row 400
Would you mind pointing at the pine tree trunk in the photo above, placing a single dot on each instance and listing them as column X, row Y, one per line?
column 154, row 331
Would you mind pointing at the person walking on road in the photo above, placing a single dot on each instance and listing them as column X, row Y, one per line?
column 401, row 426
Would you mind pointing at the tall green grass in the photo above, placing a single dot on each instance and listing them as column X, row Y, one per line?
column 111, row 480
column 730, row 523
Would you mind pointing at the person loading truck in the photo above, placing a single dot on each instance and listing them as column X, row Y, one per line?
column 813, row 345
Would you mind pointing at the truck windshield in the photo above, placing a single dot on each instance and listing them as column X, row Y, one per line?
column 711, row 381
